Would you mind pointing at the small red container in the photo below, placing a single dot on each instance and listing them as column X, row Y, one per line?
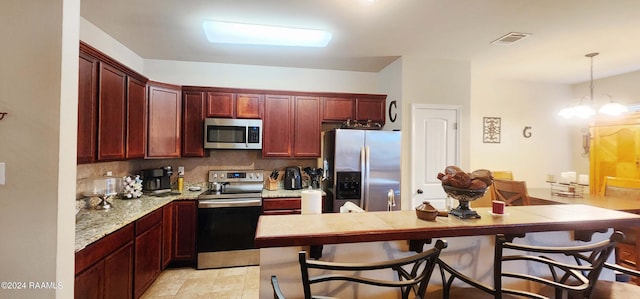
column 498, row 207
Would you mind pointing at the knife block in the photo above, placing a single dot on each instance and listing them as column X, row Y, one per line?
column 272, row 185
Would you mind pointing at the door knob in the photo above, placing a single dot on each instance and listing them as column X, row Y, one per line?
column 419, row 191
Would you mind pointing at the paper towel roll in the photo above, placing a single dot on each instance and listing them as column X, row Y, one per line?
column 311, row 202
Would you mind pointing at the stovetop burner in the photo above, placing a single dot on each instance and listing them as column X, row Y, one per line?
column 234, row 184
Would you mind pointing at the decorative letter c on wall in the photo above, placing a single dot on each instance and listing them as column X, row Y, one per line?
column 392, row 117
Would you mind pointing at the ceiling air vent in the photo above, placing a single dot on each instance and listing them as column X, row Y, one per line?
column 510, row 38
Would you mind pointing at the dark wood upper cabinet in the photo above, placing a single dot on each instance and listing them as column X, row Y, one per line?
column 249, row 105
column 111, row 113
column 370, row 109
column 111, row 109
column 136, row 118
column 165, row 109
column 307, row 127
column 338, row 109
column 193, row 115
column 87, row 108
column 277, row 126
column 220, row 104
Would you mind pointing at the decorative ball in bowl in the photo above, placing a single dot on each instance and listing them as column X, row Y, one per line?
column 463, row 194
column 426, row 211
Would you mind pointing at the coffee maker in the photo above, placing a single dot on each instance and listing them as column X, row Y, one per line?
column 157, row 180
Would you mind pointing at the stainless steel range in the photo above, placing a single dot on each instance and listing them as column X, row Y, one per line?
column 227, row 219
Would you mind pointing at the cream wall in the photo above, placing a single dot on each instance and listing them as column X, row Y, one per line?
column 95, row 37
column 521, row 104
column 432, row 81
column 390, row 83
column 38, row 83
column 258, row 77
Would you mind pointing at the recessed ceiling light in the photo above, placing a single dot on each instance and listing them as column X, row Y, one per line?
column 240, row 33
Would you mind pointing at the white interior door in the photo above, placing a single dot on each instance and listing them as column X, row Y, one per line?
column 435, row 145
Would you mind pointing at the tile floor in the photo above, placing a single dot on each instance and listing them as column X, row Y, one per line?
column 231, row 283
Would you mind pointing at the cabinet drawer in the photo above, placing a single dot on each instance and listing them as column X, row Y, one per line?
column 103, row 247
column 148, row 221
column 281, row 203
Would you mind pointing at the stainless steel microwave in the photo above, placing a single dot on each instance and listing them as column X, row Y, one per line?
column 228, row 133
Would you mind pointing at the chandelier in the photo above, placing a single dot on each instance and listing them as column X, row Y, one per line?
column 585, row 109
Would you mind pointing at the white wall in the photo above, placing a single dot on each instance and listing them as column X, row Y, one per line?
column 98, row 39
column 38, row 79
column 258, row 77
column 432, row 81
column 390, row 83
column 521, row 104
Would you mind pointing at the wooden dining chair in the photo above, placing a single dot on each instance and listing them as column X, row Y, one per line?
column 505, row 175
column 512, row 192
column 485, row 201
column 577, row 279
column 413, row 281
column 627, row 251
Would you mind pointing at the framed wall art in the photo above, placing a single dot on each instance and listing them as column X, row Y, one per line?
column 491, row 130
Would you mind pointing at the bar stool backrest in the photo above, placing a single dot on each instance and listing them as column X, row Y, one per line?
column 416, row 280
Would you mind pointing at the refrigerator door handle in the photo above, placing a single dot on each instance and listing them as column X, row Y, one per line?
column 367, row 169
column 362, row 177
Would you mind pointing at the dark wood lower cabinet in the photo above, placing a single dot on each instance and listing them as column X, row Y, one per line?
column 105, row 268
column 90, row 283
column 118, row 269
column 185, row 213
column 125, row 263
column 148, row 251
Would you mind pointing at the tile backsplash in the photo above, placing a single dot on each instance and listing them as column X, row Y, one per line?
column 196, row 169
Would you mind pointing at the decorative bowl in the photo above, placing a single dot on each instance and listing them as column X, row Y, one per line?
column 426, row 211
column 462, row 194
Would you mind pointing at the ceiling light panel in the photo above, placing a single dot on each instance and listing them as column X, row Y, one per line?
column 252, row 34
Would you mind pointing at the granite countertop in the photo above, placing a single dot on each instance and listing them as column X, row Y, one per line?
column 285, row 193
column 92, row 224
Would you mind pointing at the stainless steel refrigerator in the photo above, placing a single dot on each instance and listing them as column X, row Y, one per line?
column 363, row 167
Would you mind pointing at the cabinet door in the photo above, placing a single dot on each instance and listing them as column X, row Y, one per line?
column 185, row 230
column 111, row 113
column 148, row 255
column 193, row 115
column 370, row 109
column 615, row 152
column 307, row 127
column 90, row 283
column 249, row 105
column 163, row 139
column 277, row 126
column 118, row 273
column 136, row 118
column 167, row 234
column 220, row 104
column 338, row 109
column 87, row 108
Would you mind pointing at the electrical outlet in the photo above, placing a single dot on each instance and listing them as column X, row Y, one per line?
column 180, row 169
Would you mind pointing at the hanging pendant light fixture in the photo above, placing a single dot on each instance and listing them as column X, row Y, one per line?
column 585, row 109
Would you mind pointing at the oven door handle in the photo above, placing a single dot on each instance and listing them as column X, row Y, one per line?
column 221, row 203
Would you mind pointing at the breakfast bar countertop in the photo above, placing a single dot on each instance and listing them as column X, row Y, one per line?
column 336, row 228
column 92, row 224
